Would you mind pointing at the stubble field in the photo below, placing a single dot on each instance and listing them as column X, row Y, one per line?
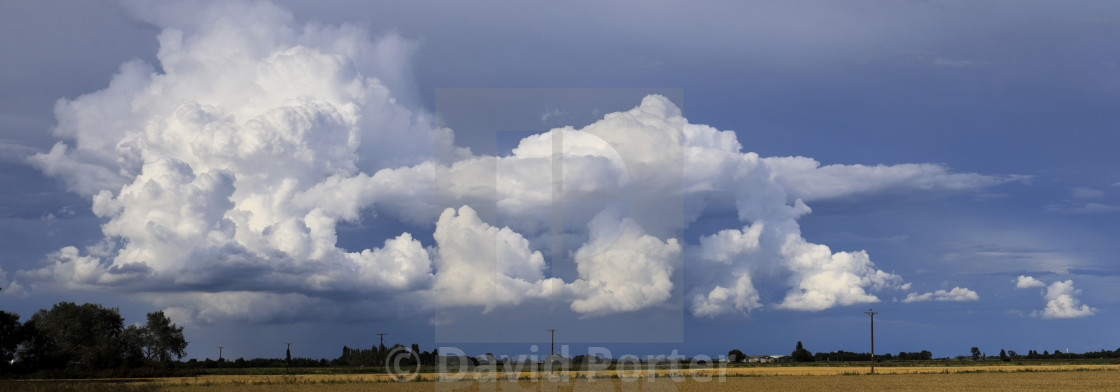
column 951, row 378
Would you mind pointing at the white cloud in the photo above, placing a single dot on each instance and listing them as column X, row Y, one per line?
column 482, row 265
column 622, row 268
column 1086, row 193
column 14, row 152
column 1095, row 208
column 72, row 270
column 552, row 115
column 727, row 244
column 1062, row 302
column 201, row 308
column 401, row 263
column 958, row 294
column 1079, row 202
column 196, row 168
column 823, row 279
column 804, row 178
column 1061, row 299
column 1026, row 282
column 222, row 176
column 1087, row 208
column 741, row 297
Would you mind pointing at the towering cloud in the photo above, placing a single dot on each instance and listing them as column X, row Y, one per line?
column 222, row 172
column 622, row 268
column 1062, row 302
column 1061, row 299
column 480, row 264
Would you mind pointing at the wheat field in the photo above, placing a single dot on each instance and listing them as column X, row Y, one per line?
column 950, row 378
column 1029, row 381
column 941, row 378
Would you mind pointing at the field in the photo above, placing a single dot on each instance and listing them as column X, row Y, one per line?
column 843, row 378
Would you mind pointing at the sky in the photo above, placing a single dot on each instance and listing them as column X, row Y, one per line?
column 649, row 178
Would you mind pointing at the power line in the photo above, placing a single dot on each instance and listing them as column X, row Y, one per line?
column 872, row 313
column 552, row 351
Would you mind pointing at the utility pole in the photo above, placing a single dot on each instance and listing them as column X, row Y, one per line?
column 552, row 351
column 872, row 314
column 382, row 336
column 220, row 353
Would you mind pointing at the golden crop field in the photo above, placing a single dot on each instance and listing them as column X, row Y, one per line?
column 1016, row 381
column 942, row 378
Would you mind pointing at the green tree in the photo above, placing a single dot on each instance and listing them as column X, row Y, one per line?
column 975, row 353
column 800, row 354
column 735, row 356
column 74, row 336
column 11, row 334
column 133, row 341
column 1003, row 356
column 164, row 340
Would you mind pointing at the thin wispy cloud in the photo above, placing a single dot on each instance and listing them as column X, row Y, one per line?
column 959, row 63
column 552, row 115
column 1086, row 193
column 1087, row 208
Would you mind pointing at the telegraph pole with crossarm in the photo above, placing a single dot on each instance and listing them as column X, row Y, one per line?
column 872, row 314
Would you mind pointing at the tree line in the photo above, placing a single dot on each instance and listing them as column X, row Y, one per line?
column 380, row 355
column 376, row 357
column 1008, row 355
column 83, row 339
column 800, row 354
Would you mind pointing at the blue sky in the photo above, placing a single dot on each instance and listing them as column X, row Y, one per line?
column 959, row 145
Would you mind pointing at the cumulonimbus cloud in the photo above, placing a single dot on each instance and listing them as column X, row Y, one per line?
column 222, row 174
